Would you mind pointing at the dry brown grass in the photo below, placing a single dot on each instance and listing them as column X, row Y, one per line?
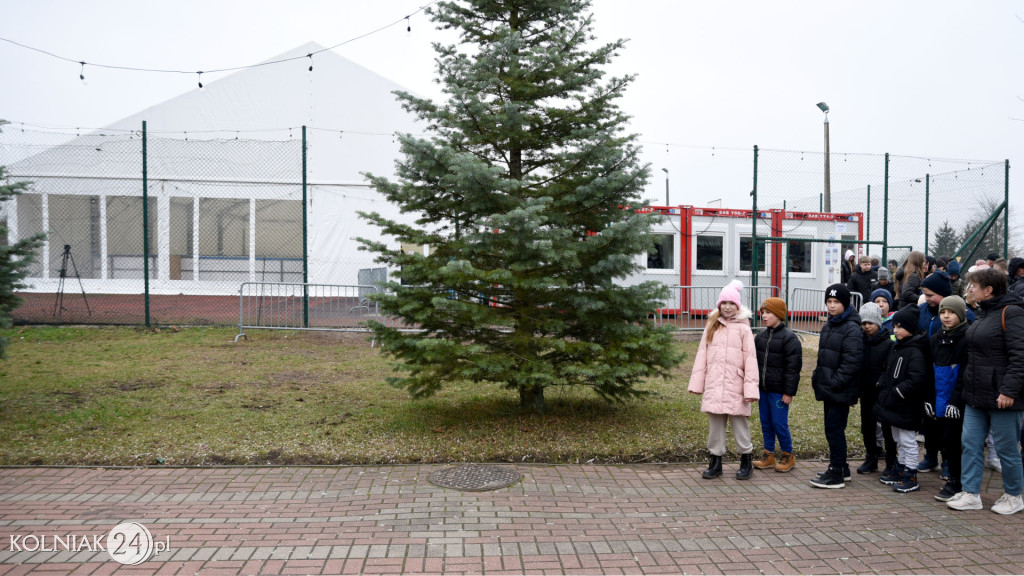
column 128, row 396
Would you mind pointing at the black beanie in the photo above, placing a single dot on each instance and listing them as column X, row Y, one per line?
column 907, row 319
column 839, row 292
column 939, row 283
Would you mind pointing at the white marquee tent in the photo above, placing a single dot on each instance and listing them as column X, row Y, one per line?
column 233, row 146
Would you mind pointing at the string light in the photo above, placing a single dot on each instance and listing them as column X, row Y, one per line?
column 200, row 76
column 81, row 74
column 310, row 56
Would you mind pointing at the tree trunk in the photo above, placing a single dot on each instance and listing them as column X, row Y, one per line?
column 532, row 398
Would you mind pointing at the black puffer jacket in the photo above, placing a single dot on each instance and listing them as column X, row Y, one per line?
column 876, row 352
column 995, row 362
column 908, row 371
column 863, row 283
column 779, row 360
column 840, row 358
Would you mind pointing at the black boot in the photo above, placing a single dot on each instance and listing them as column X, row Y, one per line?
column 746, row 467
column 714, row 468
column 870, row 464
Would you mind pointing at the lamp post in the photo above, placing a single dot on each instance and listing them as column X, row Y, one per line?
column 828, row 177
column 665, row 170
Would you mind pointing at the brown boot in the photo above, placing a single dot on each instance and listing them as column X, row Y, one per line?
column 786, row 462
column 766, row 462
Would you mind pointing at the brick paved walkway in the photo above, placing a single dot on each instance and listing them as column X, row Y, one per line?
column 644, row 519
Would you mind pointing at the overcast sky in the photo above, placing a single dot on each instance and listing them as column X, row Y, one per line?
column 929, row 78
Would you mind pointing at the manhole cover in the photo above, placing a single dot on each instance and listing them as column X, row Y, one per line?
column 475, row 478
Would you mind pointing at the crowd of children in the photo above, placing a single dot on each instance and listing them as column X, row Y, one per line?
column 940, row 354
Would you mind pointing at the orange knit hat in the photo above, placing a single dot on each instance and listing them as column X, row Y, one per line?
column 776, row 306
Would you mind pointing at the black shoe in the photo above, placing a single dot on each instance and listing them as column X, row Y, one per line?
column 947, row 492
column 846, row 473
column 746, row 467
column 714, row 468
column 832, row 478
column 908, row 483
column 870, row 464
column 892, row 476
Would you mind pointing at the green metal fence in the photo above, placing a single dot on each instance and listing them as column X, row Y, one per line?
column 164, row 230
column 907, row 201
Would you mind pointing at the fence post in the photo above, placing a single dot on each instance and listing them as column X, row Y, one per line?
column 927, row 207
column 1006, row 214
column 145, row 221
column 869, row 216
column 753, row 239
column 305, row 239
column 885, row 216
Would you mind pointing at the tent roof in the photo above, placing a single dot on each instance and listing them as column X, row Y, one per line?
column 351, row 115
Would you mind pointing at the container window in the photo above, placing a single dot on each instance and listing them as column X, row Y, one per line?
column 662, row 255
column 710, row 252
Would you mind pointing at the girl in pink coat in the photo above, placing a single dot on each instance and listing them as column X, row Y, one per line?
column 725, row 372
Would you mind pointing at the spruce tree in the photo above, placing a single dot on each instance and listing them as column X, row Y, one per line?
column 527, row 196
column 945, row 241
column 14, row 258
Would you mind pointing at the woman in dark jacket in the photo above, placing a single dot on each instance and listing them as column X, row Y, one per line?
column 909, row 278
column 779, row 361
column 992, row 391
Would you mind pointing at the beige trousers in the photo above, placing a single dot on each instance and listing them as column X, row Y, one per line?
column 740, row 432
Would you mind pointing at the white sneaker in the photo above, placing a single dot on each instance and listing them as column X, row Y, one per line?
column 966, row 501
column 994, row 465
column 956, row 497
column 1008, row 504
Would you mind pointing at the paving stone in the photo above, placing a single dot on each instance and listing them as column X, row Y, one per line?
column 567, row 519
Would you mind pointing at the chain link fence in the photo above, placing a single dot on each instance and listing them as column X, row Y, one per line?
column 222, row 212
column 217, row 213
column 909, row 203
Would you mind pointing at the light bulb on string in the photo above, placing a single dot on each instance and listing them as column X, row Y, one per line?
column 408, row 24
column 310, row 56
column 81, row 73
column 200, row 77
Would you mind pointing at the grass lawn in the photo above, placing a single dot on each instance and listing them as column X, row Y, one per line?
column 131, row 396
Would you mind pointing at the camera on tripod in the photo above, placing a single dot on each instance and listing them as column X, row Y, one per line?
column 65, row 258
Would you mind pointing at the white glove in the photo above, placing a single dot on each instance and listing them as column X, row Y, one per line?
column 953, row 412
column 929, row 410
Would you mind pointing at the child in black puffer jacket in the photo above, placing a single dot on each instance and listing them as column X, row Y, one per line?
column 903, row 390
column 835, row 382
column 779, row 361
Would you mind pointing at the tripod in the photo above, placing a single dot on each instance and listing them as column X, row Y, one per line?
column 58, row 305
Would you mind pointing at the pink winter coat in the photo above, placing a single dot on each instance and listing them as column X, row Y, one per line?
column 725, row 370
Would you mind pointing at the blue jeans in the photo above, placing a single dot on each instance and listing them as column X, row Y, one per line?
column 775, row 422
column 1006, row 427
column 836, row 417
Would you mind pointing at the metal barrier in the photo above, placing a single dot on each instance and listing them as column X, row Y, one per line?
column 687, row 307
column 298, row 306
column 807, row 313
